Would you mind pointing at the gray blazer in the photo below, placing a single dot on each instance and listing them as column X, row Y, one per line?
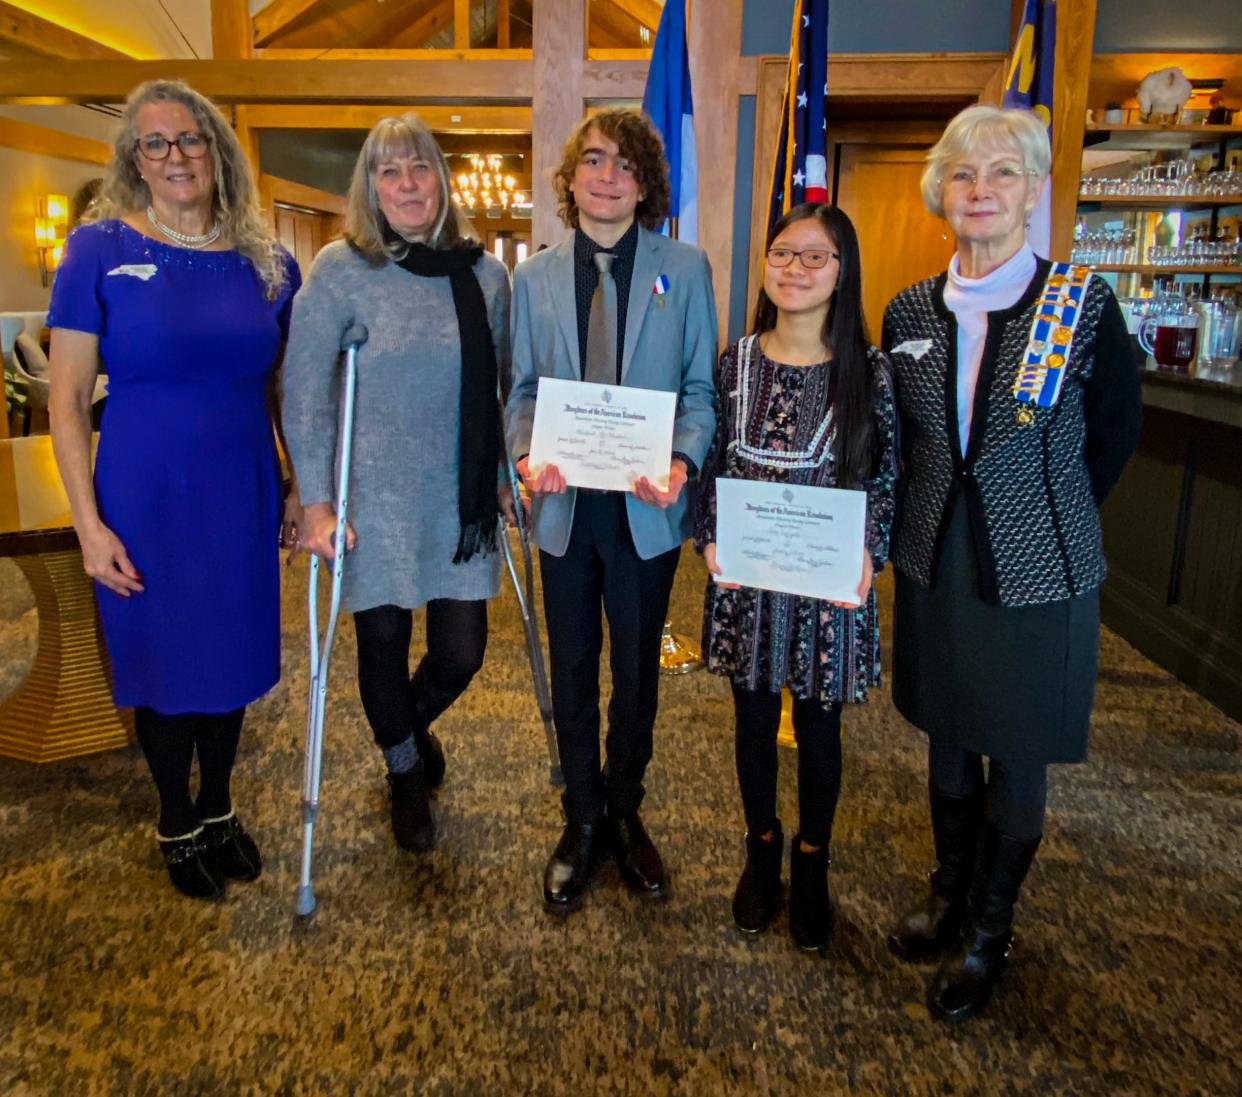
column 670, row 344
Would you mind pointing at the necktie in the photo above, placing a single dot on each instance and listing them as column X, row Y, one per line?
column 601, row 348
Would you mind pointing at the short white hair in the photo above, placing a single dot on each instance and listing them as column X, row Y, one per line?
column 979, row 127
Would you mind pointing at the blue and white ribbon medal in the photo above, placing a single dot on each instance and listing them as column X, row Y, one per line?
column 1039, row 380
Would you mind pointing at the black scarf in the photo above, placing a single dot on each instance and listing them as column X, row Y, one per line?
column 478, row 457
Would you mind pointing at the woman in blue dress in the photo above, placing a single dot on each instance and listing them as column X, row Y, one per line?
column 176, row 288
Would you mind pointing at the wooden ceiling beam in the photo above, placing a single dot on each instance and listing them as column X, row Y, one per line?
column 502, row 24
column 511, row 121
column 421, row 31
column 49, row 142
column 440, row 81
column 279, row 16
column 28, row 31
column 395, row 22
column 231, row 32
column 461, row 24
column 645, row 12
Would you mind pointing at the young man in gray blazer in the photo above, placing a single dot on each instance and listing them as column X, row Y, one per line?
column 615, row 551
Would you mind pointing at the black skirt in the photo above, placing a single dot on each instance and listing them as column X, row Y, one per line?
column 1014, row 683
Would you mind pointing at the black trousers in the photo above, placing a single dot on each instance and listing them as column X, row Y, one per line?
column 818, row 731
column 398, row 705
column 602, row 570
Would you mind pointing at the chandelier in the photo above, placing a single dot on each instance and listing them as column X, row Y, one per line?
column 486, row 186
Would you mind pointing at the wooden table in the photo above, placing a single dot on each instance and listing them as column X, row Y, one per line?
column 64, row 707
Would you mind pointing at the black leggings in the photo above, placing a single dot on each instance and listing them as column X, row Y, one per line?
column 169, row 743
column 1016, row 795
column 396, row 704
column 818, row 731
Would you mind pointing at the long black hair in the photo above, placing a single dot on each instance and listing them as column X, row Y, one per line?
column 845, row 336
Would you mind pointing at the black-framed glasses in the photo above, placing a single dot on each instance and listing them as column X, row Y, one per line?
column 155, row 146
column 811, row 258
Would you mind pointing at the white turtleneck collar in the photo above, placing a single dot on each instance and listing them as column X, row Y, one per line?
column 998, row 289
column 970, row 300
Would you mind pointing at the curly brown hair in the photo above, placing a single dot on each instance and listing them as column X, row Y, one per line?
column 639, row 142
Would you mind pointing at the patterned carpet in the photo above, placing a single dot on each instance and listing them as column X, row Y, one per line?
column 444, row 976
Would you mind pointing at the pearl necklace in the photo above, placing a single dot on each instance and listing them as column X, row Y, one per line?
column 182, row 239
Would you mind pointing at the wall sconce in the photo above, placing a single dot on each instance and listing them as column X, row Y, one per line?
column 51, row 228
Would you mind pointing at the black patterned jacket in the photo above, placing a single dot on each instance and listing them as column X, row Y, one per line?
column 1031, row 492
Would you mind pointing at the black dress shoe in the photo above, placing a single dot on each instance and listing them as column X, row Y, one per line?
column 571, row 867
column 230, row 850
column 413, row 825
column 637, row 857
column 188, row 870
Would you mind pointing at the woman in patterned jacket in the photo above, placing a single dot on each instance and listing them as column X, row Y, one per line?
column 1019, row 402
column 806, row 401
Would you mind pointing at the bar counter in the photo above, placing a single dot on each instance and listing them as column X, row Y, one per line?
column 1173, row 535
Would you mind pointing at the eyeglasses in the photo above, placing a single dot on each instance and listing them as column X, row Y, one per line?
column 155, row 146
column 1001, row 175
column 811, row 258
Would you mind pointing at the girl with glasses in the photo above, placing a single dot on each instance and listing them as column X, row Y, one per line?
column 805, row 401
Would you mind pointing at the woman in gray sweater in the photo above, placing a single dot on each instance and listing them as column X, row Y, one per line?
column 425, row 493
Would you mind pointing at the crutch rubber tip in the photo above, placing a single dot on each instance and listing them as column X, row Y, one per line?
column 556, row 776
column 306, row 901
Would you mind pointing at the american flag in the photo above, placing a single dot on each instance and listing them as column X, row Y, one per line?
column 800, row 172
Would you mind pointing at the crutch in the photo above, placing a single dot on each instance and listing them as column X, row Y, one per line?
column 526, row 603
column 320, row 656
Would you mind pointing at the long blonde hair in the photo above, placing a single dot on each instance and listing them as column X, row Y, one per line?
column 365, row 223
column 234, row 203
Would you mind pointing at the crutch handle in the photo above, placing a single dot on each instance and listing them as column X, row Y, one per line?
column 355, row 335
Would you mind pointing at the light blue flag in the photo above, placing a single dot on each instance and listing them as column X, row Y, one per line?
column 668, row 103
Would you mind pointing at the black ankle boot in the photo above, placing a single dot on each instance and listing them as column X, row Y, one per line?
column 429, row 701
column 810, row 907
column 413, row 825
column 966, row 979
column 189, row 870
column 758, row 893
column 934, row 926
column 431, row 751
column 230, row 850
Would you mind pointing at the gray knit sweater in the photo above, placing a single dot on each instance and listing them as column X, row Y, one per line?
column 403, row 478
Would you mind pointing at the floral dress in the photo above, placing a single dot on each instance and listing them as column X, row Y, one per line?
column 762, row 639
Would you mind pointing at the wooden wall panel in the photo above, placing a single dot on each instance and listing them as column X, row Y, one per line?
column 1075, row 34
column 557, row 101
column 715, row 41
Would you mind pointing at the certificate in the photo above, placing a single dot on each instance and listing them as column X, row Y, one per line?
column 603, row 436
column 790, row 538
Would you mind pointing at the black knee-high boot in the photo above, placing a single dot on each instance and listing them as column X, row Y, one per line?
column 933, row 927
column 964, row 983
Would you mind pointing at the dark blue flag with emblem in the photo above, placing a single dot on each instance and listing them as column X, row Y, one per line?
column 800, row 171
column 1028, row 85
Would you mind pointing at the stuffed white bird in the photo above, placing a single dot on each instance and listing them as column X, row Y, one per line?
column 1164, row 91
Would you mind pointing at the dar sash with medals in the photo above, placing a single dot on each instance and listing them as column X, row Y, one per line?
column 1042, row 372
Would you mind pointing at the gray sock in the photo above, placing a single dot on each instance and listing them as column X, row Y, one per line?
column 403, row 757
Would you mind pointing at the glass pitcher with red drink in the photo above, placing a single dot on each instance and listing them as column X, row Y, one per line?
column 1170, row 334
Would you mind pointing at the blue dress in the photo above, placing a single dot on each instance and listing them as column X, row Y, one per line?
column 186, row 472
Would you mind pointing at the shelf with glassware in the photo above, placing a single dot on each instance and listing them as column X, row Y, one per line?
column 1153, row 136
column 1161, row 202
